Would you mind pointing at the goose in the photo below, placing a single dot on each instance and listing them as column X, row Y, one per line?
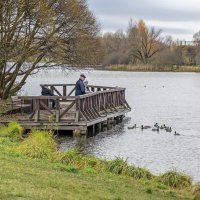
column 175, row 133
column 132, row 127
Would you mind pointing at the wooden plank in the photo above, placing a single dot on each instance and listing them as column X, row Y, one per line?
column 45, row 107
column 67, row 98
column 102, row 119
column 59, row 94
column 85, row 115
column 67, row 109
column 57, row 110
column 72, row 91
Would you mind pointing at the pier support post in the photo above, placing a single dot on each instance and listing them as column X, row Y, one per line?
column 104, row 126
column 109, row 123
column 79, row 133
column 118, row 119
column 98, row 128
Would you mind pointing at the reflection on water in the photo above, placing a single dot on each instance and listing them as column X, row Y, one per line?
column 166, row 98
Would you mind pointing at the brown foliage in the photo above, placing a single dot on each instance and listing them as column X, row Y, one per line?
column 54, row 32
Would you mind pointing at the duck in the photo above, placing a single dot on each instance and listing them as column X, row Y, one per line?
column 132, row 127
column 162, row 126
column 145, row 127
column 175, row 133
column 156, row 124
column 156, row 129
column 168, row 129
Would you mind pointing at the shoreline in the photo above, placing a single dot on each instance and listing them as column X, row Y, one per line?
column 127, row 68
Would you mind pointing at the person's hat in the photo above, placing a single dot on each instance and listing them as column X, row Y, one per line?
column 83, row 75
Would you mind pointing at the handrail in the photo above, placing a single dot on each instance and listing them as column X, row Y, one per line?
column 96, row 86
column 46, row 97
column 99, row 92
column 69, row 89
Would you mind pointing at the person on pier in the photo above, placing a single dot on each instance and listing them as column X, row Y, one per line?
column 47, row 92
column 80, row 86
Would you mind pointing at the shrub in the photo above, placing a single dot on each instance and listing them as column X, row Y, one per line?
column 175, row 179
column 67, row 157
column 39, row 144
column 137, row 172
column 196, row 189
column 75, row 158
column 116, row 166
column 13, row 131
column 120, row 166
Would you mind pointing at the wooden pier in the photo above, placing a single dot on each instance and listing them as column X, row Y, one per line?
column 102, row 107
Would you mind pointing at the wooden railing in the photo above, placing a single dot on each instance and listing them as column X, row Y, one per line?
column 99, row 104
column 41, row 107
column 69, row 89
column 88, row 107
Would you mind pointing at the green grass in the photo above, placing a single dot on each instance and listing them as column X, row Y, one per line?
column 33, row 168
column 35, row 179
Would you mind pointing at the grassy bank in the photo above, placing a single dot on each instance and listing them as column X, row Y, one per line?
column 33, row 168
column 150, row 68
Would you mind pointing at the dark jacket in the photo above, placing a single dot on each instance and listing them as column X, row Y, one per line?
column 46, row 92
column 80, row 88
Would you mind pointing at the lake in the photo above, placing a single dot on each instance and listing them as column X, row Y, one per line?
column 166, row 98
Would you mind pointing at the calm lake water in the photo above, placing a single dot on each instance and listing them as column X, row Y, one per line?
column 166, row 98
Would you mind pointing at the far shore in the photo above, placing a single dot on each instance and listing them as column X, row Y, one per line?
column 148, row 68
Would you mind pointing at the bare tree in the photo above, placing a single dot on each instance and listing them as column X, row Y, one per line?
column 143, row 42
column 52, row 32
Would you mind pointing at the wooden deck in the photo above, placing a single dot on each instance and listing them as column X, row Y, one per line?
column 101, row 106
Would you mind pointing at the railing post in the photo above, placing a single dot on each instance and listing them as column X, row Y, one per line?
column 77, row 115
column 57, row 110
column 64, row 90
column 37, row 110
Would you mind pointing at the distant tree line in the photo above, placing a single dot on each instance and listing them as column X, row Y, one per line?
column 143, row 45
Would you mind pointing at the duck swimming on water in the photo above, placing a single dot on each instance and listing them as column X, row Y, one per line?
column 168, row 129
column 145, row 127
column 132, row 127
column 162, row 126
column 175, row 133
column 156, row 124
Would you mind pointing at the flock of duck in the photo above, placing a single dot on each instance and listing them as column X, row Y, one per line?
column 155, row 128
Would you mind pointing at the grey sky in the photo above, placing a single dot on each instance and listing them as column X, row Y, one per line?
column 178, row 18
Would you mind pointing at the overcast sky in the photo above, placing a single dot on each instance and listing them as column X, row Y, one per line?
column 178, row 18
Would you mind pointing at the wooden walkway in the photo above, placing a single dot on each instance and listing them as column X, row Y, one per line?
column 101, row 107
